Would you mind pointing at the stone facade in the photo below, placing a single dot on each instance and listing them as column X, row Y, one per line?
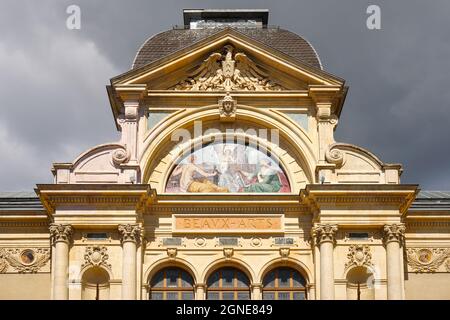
column 337, row 221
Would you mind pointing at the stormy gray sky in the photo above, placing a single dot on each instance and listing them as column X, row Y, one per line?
column 52, row 80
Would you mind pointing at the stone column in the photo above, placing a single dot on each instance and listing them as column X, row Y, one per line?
column 130, row 235
column 324, row 237
column 393, row 237
column 257, row 291
column 200, row 291
column 61, row 235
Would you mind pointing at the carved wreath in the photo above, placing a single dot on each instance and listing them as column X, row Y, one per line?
column 24, row 260
column 427, row 259
column 228, row 71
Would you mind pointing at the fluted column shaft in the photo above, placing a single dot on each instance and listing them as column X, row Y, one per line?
column 324, row 236
column 61, row 235
column 393, row 237
column 130, row 235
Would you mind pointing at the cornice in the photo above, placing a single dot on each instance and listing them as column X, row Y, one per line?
column 319, row 196
column 54, row 196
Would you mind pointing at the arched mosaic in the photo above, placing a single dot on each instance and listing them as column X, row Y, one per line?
column 228, row 168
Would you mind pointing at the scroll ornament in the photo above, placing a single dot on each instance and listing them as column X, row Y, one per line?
column 427, row 259
column 228, row 71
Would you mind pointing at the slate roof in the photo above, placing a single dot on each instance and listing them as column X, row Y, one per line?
column 18, row 201
column 167, row 42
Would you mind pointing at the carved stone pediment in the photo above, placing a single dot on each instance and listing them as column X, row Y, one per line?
column 228, row 70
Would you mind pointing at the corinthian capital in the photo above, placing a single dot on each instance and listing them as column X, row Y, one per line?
column 394, row 232
column 130, row 232
column 61, row 232
column 324, row 232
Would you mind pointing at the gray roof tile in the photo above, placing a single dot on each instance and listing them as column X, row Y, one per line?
column 167, row 42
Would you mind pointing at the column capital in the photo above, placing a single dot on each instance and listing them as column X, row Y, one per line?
column 61, row 232
column 324, row 233
column 394, row 232
column 130, row 232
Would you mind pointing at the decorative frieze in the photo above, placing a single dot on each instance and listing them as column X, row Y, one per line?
column 428, row 259
column 96, row 256
column 61, row 232
column 130, row 232
column 358, row 255
column 324, row 232
column 29, row 260
column 394, row 232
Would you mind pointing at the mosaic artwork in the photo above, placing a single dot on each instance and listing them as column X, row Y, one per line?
column 229, row 168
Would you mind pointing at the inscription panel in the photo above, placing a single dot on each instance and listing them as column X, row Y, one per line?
column 227, row 223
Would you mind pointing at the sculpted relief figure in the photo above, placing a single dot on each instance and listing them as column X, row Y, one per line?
column 228, row 71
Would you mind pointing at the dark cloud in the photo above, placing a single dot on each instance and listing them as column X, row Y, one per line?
column 54, row 103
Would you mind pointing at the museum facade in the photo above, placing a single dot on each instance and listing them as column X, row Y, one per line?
column 227, row 183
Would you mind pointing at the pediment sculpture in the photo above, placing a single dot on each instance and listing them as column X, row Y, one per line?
column 228, row 71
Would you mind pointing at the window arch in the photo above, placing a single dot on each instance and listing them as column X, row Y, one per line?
column 172, row 284
column 284, row 283
column 228, row 284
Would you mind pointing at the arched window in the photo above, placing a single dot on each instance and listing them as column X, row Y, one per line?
column 284, row 284
column 172, row 284
column 228, row 284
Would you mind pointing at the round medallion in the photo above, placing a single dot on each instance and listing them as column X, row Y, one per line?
column 424, row 255
column 255, row 242
column 27, row 256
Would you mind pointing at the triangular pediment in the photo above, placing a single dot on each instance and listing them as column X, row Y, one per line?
column 227, row 61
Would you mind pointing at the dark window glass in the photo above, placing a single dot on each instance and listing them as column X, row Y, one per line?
column 284, row 284
column 228, row 284
column 171, row 284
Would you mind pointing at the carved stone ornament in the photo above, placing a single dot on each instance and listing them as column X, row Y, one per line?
column 228, row 71
column 394, row 232
column 228, row 253
column 172, row 252
column 427, row 259
column 227, row 107
column 24, row 260
column 358, row 256
column 96, row 256
column 284, row 253
column 324, row 232
column 61, row 232
column 130, row 232
column 121, row 155
column 335, row 156
column 3, row 262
